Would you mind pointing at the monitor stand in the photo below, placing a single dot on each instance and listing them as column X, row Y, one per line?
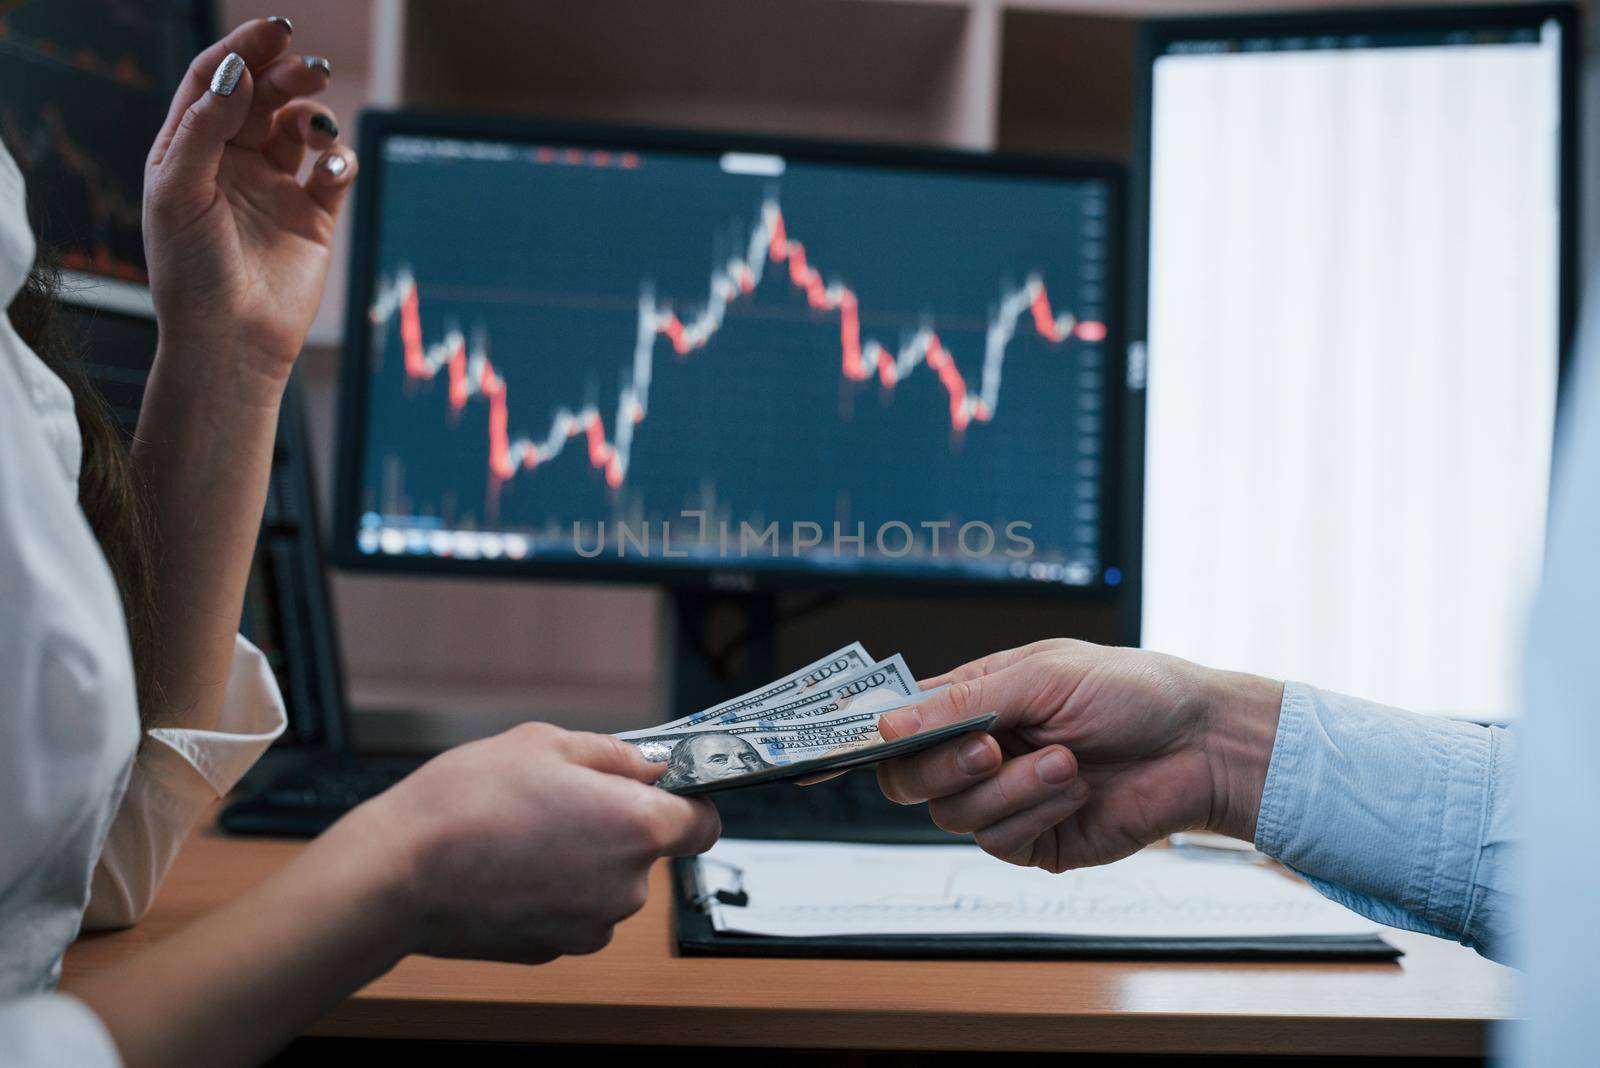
column 725, row 644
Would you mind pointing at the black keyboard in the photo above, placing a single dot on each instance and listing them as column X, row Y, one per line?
column 305, row 798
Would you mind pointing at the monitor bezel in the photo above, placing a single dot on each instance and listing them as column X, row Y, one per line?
column 377, row 125
column 1153, row 39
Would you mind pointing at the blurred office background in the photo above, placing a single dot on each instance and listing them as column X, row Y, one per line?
column 439, row 659
column 435, row 660
column 443, row 658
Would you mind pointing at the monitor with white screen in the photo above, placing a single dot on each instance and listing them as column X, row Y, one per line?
column 1356, row 297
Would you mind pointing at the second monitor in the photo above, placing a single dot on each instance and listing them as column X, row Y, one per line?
column 710, row 361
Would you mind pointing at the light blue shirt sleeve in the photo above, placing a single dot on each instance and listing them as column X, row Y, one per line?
column 1406, row 819
column 1560, row 939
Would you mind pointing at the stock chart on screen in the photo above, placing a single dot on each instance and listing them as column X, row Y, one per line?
column 84, row 87
column 695, row 359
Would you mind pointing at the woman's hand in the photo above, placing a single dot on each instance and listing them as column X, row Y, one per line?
column 236, row 243
column 528, row 845
column 516, row 848
column 1098, row 752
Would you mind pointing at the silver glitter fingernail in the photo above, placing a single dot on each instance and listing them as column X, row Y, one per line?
column 229, row 71
column 282, row 21
column 335, row 165
column 318, row 63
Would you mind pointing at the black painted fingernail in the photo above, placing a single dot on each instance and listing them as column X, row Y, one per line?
column 324, row 125
column 335, row 165
column 282, row 21
column 228, row 73
column 318, row 63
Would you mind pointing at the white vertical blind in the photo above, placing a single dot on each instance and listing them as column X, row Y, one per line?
column 1352, row 355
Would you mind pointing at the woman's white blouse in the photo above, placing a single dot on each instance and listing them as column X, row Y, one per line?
column 89, row 820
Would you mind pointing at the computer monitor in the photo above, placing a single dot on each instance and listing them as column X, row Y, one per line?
column 1353, row 293
column 723, row 363
column 84, row 88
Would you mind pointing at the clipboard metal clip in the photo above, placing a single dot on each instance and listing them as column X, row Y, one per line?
column 731, row 893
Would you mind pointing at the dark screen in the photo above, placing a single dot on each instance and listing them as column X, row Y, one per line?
column 84, row 88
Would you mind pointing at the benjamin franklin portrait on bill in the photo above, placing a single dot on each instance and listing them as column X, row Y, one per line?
column 710, row 756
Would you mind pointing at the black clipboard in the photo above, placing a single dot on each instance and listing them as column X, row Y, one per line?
column 698, row 938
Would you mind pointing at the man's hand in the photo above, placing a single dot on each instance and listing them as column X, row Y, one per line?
column 1097, row 753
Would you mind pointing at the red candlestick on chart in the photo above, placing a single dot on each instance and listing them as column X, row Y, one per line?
column 471, row 373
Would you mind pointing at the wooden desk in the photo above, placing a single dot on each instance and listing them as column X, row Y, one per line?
column 1435, row 1002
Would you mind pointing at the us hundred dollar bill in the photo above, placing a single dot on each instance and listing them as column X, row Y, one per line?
column 880, row 687
column 734, row 750
column 841, row 663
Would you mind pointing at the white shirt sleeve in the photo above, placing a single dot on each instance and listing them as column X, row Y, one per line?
column 54, row 1031
column 178, row 774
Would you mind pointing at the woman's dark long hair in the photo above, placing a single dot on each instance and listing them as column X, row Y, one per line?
column 109, row 492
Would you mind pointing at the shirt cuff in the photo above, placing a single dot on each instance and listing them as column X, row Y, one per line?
column 1388, row 806
column 54, row 1031
column 175, row 778
column 202, row 765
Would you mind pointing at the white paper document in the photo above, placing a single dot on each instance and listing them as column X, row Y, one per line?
column 801, row 889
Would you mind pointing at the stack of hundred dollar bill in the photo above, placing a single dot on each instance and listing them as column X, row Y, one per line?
column 818, row 720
